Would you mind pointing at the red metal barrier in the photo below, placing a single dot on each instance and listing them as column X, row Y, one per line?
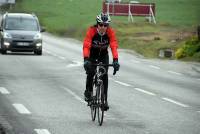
column 130, row 9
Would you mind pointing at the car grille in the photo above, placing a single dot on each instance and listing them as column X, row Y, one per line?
column 26, row 37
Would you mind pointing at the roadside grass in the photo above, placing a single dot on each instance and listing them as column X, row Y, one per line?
column 148, row 39
column 176, row 22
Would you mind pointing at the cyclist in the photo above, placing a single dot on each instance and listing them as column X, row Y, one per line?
column 95, row 47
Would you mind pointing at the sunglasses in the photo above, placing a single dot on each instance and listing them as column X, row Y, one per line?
column 101, row 25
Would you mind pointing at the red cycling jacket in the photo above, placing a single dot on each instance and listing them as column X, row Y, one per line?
column 94, row 43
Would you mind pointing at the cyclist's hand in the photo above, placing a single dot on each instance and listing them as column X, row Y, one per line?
column 87, row 64
column 116, row 66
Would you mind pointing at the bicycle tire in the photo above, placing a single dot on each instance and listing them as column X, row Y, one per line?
column 101, row 103
column 93, row 112
column 93, row 105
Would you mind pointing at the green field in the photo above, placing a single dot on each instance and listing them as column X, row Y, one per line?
column 176, row 20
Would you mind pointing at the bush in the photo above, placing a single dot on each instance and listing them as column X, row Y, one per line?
column 192, row 46
column 189, row 49
column 180, row 53
column 197, row 56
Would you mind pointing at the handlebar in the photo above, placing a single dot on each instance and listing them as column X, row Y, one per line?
column 105, row 65
column 99, row 64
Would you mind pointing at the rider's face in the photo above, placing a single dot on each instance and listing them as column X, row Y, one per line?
column 102, row 27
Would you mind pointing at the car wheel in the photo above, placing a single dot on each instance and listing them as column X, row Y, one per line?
column 4, row 51
column 38, row 52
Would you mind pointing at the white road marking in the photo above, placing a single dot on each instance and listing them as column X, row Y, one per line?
column 61, row 57
column 50, row 53
column 21, row 109
column 75, row 96
column 135, row 61
column 198, row 111
column 155, row 67
column 174, row 72
column 75, row 64
column 122, row 83
column 109, row 116
column 3, row 90
column 42, row 131
column 45, row 50
column 198, row 79
column 175, row 102
column 54, row 55
column 144, row 91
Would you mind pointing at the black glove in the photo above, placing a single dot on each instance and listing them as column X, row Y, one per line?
column 116, row 66
column 87, row 64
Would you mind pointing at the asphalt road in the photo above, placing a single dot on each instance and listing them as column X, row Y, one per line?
column 44, row 94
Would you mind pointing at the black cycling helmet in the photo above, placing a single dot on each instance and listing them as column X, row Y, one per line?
column 103, row 18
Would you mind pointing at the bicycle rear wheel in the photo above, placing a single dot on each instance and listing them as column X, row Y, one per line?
column 101, row 103
column 93, row 105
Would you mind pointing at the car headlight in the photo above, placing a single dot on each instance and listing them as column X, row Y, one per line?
column 6, row 43
column 39, row 44
column 37, row 36
column 7, row 35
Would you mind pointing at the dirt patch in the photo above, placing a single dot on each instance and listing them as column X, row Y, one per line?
column 179, row 36
column 167, row 36
column 141, row 34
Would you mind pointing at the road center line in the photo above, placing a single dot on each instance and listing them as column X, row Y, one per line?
column 144, row 91
column 46, row 51
column 174, row 72
column 21, row 109
column 155, row 67
column 75, row 96
column 3, row 90
column 61, row 57
column 55, row 55
column 135, row 61
column 122, row 83
column 42, row 131
column 75, row 64
column 175, row 102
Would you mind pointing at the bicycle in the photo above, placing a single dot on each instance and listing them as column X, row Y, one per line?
column 97, row 102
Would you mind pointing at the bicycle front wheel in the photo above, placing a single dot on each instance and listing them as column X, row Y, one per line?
column 101, row 103
column 93, row 105
column 93, row 112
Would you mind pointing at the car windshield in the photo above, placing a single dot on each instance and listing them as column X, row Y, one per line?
column 20, row 23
